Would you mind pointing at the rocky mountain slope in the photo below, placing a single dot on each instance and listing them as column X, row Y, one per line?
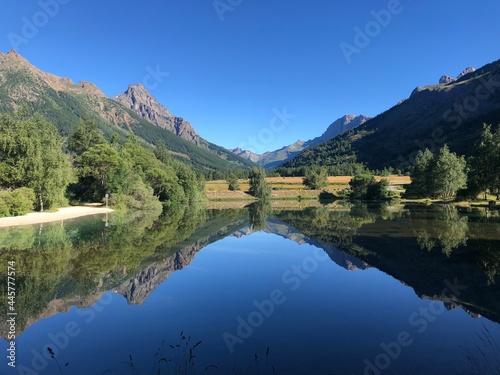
column 451, row 113
column 138, row 99
column 66, row 104
column 249, row 155
column 273, row 159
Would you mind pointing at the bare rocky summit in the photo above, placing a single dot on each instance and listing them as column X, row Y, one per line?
column 138, row 99
column 249, row 155
column 444, row 80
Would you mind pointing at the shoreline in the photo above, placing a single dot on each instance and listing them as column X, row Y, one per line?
column 64, row 213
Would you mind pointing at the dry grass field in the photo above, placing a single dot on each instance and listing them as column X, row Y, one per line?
column 286, row 187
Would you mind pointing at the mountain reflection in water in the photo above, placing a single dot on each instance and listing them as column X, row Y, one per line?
column 77, row 262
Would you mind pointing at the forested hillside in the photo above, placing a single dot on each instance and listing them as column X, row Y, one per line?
column 432, row 116
column 66, row 104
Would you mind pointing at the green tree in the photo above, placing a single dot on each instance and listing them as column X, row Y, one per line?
column 421, row 180
column 365, row 187
column 99, row 162
column 233, row 182
column 163, row 178
column 359, row 185
column 484, row 164
column 86, row 136
column 162, row 153
column 448, row 174
column 437, row 176
column 31, row 156
column 316, row 178
column 378, row 190
column 258, row 185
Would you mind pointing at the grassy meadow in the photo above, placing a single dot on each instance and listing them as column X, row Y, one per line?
column 287, row 187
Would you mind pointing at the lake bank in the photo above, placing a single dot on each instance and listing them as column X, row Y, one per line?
column 48, row 217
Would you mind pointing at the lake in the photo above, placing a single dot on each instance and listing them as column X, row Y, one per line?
column 320, row 290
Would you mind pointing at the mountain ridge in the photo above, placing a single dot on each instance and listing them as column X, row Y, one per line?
column 67, row 104
column 273, row 159
column 138, row 99
column 430, row 117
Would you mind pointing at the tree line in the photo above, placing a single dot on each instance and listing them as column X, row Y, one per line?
column 40, row 170
column 445, row 174
column 442, row 175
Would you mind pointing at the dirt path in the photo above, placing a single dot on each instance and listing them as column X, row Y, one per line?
column 47, row 217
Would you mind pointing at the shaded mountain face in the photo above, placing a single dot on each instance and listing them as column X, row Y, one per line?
column 138, row 99
column 344, row 123
column 66, row 104
column 432, row 116
column 273, row 159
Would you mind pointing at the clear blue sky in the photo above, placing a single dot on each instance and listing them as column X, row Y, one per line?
column 227, row 77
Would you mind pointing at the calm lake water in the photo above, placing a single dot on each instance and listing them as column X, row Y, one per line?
column 352, row 290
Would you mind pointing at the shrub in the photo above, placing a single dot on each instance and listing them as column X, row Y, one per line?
column 316, row 178
column 140, row 197
column 16, row 203
column 233, row 182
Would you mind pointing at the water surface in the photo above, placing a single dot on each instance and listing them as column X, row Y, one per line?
column 355, row 290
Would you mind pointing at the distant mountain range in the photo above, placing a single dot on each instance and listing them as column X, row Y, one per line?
column 450, row 113
column 136, row 112
column 273, row 159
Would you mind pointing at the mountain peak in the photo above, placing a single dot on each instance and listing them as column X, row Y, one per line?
column 444, row 80
column 15, row 62
column 344, row 123
column 139, row 87
column 13, row 53
column 249, row 155
column 272, row 159
column 139, row 100
column 12, row 56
